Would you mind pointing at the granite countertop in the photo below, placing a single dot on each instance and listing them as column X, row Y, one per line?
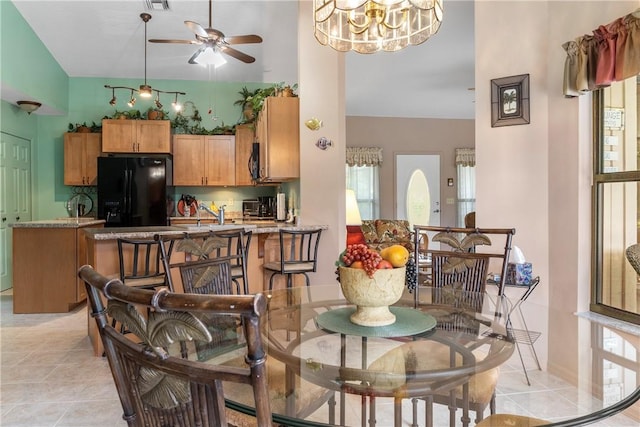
column 59, row 223
column 149, row 232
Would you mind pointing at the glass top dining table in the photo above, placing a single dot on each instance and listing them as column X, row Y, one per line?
column 325, row 370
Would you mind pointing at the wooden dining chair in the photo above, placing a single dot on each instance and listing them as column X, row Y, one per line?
column 158, row 389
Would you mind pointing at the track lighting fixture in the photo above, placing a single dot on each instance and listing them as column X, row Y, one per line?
column 132, row 101
column 145, row 90
column 175, row 104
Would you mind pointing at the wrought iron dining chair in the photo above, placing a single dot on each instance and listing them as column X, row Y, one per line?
column 459, row 275
column 158, row 389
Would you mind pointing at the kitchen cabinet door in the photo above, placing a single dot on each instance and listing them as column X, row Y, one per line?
column 118, row 136
column 278, row 133
column 136, row 136
column 81, row 151
column 153, row 136
column 202, row 160
column 188, row 160
column 220, row 159
column 245, row 136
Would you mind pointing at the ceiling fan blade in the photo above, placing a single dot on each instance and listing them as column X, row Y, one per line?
column 195, row 55
column 174, row 41
column 197, row 28
column 248, row 38
column 237, row 54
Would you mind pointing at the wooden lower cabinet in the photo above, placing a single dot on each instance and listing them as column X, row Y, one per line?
column 45, row 266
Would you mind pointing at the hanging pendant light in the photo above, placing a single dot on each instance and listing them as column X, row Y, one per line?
column 145, row 90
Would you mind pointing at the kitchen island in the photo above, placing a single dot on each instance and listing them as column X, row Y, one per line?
column 102, row 252
column 46, row 258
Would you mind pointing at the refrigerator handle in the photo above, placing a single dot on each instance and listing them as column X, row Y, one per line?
column 129, row 187
column 126, row 186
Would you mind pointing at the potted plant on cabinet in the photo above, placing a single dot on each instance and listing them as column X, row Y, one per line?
column 156, row 114
column 246, row 104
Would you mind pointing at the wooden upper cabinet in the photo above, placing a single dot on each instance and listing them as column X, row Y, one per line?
column 278, row 132
column 81, row 151
column 220, row 160
column 136, row 136
column 245, row 135
column 203, row 160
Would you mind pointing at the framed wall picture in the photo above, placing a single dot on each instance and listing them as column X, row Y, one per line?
column 510, row 101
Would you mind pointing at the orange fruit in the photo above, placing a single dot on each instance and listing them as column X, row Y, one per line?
column 356, row 264
column 397, row 255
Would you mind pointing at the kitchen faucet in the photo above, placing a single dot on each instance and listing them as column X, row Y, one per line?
column 219, row 216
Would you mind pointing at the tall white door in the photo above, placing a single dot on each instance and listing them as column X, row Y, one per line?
column 15, row 196
column 418, row 188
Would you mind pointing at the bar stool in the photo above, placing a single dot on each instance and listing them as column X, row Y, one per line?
column 141, row 266
column 298, row 255
column 140, row 263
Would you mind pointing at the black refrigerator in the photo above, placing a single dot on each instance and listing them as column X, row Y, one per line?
column 135, row 191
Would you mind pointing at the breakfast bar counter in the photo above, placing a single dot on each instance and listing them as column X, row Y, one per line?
column 102, row 250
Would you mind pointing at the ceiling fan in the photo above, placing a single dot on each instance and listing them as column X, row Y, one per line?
column 210, row 38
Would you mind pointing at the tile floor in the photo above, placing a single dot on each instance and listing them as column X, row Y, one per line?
column 49, row 378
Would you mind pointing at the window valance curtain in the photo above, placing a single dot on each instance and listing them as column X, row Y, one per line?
column 611, row 53
column 465, row 156
column 364, row 156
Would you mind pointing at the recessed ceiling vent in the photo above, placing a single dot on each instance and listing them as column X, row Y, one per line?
column 157, row 4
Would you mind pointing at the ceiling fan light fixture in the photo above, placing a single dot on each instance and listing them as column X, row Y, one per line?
column 210, row 56
column 368, row 26
column 29, row 106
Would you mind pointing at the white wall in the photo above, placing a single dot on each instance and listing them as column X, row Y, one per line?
column 537, row 177
column 322, row 173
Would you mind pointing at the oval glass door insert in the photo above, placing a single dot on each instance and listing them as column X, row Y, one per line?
column 418, row 201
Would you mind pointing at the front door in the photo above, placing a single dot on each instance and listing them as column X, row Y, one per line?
column 418, row 188
column 15, row 196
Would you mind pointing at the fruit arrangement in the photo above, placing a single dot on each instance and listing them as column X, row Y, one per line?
column 370, row 260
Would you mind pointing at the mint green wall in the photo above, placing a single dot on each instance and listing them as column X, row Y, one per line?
column 27, row 65
column 39, row 77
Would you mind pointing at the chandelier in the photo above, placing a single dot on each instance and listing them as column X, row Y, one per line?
column 145, row 90
column 367, row 26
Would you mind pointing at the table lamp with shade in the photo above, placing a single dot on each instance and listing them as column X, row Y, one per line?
column 353, row 220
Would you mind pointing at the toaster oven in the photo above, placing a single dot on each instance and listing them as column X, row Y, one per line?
column 258, row 209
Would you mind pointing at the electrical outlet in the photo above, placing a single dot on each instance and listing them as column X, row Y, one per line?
column 230, row 202
column 450, row 200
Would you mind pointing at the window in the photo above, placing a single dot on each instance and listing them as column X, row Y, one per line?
column 363, row 178
column 466, row 168
column 616, row 284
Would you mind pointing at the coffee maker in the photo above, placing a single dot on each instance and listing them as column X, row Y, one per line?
column 266, row 206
